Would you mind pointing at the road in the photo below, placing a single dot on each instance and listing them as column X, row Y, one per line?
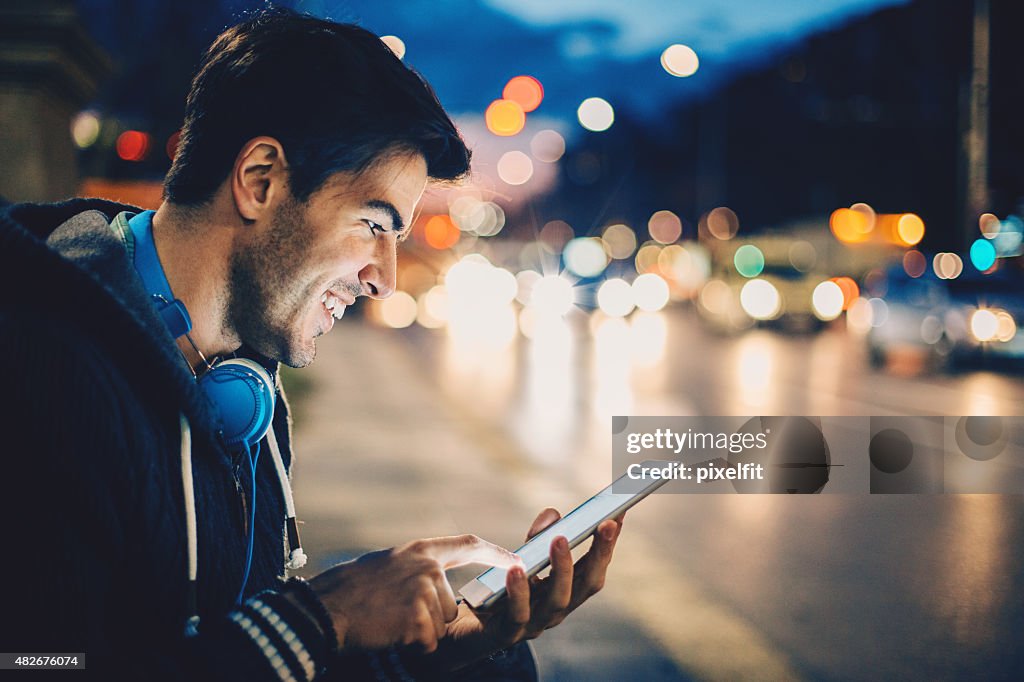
column 415, row 433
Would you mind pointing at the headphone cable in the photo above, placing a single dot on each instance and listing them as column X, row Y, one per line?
column 253, row 459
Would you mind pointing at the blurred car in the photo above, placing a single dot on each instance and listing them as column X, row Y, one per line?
column 971, row 318
column 984, row 315
column 762, row 283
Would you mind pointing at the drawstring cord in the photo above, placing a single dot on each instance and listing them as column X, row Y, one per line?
column 192, row 624
column 296, row 557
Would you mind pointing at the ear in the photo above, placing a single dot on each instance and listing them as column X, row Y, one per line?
column 258, row 177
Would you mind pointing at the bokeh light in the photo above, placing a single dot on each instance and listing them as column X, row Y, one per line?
column 398, row 310
column 650, row 292
column 619, row 241
column 647, row 257
column 547, row 146
column 870, row 217
column 595, row 114
column 525, row 280
column 983, row 254
column 879, row 311
column 467, row 212
column 395, row 44
column 910, row 229
column 132, row 145
column 749, row 260
column 722, row 223
column 876, row 283
column 665, row 227
column 1006, row 327
column 441, row 233
column 171, row 148
column 931, row 330
column 827, row 300
column 585, row 257
column 802, row 255
column 525, row 91
column 858, row 316
column 552, row 295
column 716, row 296
column 849, row 288
column 680, row 60
column 493, row 219
column 555, row 235
column 760, row 299
column 474, row 279
column 505, row 117
column 989, row 225
column 914, row 263
column 615, row 298
column 432, row 307
column 515, row 168
column 85, row 129
column 688, row 267
column 848, row 225
column 984, row 325
column 947, row 265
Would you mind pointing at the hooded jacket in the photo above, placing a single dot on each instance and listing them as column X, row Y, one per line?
column 94, row 502
column 93, row 499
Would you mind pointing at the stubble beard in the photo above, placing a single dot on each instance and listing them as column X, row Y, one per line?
column 267, row 296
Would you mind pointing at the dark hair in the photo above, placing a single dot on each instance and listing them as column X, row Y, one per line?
column 334, row 95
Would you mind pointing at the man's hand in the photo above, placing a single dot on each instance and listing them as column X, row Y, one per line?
column 401, row 595
column 533, row 605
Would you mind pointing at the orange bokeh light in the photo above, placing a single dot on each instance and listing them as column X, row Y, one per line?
column 910, row 229
column 849, row 225
column 849, row 288
column 172, row 144
column 505, row 117
column 524, row 90
column 441, row 233
column 132, row 145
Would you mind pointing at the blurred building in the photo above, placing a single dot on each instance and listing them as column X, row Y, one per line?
column 876, row 111
column 49, row 69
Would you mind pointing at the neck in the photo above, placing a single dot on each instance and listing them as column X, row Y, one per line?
column 195, row 251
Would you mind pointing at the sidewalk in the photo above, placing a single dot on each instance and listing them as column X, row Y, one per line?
column 383, row 457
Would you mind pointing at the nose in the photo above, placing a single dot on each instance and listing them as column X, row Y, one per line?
column 379, row 277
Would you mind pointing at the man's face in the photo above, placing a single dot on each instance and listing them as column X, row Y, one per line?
column 339, row 244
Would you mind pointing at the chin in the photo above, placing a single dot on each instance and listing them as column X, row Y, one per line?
column 300, row 354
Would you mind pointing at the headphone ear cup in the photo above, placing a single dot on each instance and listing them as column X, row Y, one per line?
column 242, row 394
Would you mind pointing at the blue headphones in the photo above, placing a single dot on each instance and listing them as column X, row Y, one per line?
column 241, row 391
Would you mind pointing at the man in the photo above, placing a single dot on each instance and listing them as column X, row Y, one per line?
column 137, row 532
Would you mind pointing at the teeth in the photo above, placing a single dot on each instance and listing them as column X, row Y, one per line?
column 338, row 312
column 323, row 299
column 331, row 302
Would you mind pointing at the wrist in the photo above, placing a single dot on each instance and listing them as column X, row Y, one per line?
column 304, row 596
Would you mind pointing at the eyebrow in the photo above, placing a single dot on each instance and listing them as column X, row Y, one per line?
column 397, row 224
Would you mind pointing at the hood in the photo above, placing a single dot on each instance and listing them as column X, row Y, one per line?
column 64, row 260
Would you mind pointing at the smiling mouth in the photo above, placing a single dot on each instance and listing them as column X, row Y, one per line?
column 334, row 305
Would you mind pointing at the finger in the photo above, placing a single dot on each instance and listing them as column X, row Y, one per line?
column 560, row 580
column 446, row 599
column 606, row 536
column 437, row 616
column 459, row 550
column 543, row 520
column 423, row 630
column 592, row 568
column 517, row 611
